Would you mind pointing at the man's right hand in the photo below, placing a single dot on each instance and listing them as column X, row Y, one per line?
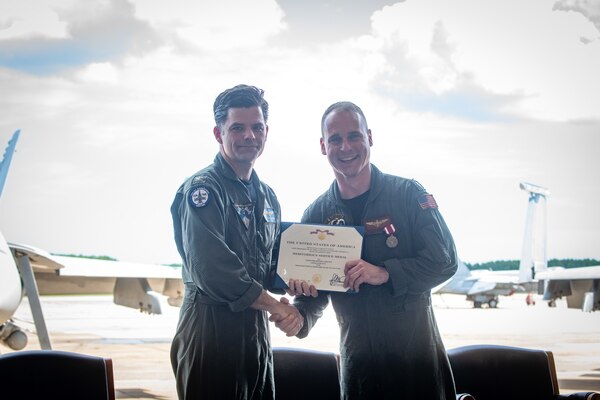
column 287, row 318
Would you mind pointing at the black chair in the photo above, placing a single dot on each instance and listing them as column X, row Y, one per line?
column 302, row 374
column 493, row 372
column 53, row 374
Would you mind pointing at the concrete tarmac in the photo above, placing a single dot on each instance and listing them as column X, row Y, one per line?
column 139, row 343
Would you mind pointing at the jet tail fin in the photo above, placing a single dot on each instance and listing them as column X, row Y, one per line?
column 533, row 257
column 5, row 163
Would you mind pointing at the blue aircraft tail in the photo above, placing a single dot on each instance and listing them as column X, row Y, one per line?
column 5, row 163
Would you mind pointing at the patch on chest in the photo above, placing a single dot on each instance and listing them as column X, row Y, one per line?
column 336, row 219
column 376, row 225
column 245, row 212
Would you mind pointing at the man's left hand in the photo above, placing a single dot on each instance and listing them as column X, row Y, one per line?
column 359, row 272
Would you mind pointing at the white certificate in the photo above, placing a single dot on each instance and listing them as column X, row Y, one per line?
column 317, row 254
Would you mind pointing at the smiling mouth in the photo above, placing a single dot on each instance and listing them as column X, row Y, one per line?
column 348, row 159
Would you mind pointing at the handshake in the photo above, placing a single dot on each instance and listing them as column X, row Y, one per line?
column 287, row 317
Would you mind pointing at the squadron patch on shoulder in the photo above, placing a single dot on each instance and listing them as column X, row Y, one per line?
column 199, row 196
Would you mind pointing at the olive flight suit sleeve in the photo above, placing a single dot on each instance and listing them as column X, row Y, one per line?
column 211, row 264
column 434, row 259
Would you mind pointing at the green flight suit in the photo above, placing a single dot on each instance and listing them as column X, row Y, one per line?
column 222, row 348
column 390, row 345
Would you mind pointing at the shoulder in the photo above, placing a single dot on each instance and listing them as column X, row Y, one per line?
column 200, row 188
column 424, row 199
column 316, row 209
column 395, row 182
column 413, row 191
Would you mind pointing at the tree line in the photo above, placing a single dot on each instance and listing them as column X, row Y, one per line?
column 507, row 265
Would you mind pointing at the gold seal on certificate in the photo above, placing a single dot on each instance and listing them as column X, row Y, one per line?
column 317, row 254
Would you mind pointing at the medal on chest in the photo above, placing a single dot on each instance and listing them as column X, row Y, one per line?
column 391, row 241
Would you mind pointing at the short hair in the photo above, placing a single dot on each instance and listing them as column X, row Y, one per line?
column 240, row 96
column 342, row 106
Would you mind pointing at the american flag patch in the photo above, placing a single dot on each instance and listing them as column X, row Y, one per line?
column 427, row 201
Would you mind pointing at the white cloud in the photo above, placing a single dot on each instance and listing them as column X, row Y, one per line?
column 31, row 18
column 216, row 25
column 104, row 146
column 508, row 53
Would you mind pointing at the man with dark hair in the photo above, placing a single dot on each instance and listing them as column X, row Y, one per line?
column 226, row 223
column 390, row 346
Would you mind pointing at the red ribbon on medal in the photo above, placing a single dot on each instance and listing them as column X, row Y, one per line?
column 389, row 229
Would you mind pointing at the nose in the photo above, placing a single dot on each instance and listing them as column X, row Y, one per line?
column 345, row 145
column 249, row 134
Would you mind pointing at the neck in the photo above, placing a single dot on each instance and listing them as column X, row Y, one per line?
column 243, row 173
column 241, row 169
column 352, row 186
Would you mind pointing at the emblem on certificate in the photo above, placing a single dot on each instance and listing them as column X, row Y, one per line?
column 316, row 254
column 391, row 241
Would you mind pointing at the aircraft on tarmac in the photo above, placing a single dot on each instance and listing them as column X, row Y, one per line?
column 482, row 286
column 23, row 268
column 580, row 286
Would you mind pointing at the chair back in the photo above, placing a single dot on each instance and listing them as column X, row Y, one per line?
column 53, row 374
column 302, row 374
column 492, row 372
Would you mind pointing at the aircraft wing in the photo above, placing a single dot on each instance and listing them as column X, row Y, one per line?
column 481, row 287
column 40, row 259
column 580, row 286
column 43, row 261
column 76, row 266
column 592, row 272
column 132, row 287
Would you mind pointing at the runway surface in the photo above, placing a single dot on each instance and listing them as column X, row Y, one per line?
column 139, row 343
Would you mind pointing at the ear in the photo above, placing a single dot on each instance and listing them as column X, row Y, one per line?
column 370, row 137
column 323, row 149
column 217, row 134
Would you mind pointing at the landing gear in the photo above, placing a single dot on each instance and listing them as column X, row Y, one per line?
column 479, row 301
column 12, row 336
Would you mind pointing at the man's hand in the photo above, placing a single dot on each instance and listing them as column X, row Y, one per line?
column 287, row 318
column 299, row 287
column 359, row 271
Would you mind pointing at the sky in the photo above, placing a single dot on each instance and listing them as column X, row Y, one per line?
column 114, row 102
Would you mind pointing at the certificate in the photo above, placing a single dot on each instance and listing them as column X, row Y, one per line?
column 317, row 254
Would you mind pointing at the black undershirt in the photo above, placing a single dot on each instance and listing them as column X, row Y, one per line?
column 357, row 206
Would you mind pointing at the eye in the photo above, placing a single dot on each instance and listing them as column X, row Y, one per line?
column 355, row 136
column 334, row 140
column 258, row 128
